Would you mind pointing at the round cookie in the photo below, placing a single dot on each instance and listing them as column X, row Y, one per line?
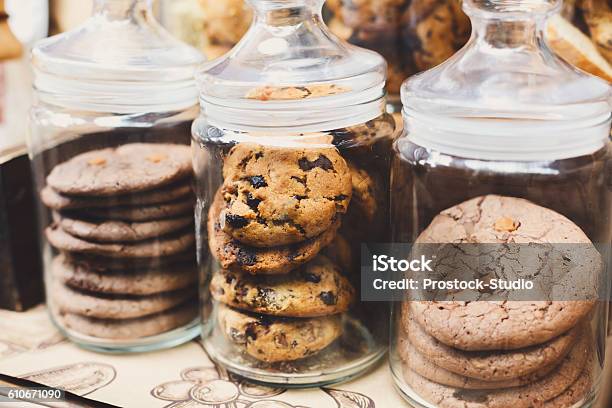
column 145, row 282
column 495, row 325
column 492, row 365
column 278, row 339
column 140, row 213
column 126, row 329
column 120, row 231
column 279, row 195
column 527, row 396
column 316, row 289
column 58, row 201
column 233, row 255
column 425, row 368
column 126, row 169
column 63, row 241
column 115, row 307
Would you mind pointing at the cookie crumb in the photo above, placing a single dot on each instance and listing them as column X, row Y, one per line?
column 506, row 224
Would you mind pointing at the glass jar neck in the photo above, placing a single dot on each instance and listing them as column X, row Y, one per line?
column 510, row 23
column 122, row 9
column 278, row 13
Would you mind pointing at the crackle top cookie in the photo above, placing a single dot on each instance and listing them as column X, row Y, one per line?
column 512, row 324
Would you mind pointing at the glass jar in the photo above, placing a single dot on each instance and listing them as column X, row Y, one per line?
column 502, row 180
column 412, row 35
column 292, row 157
column 109, row 148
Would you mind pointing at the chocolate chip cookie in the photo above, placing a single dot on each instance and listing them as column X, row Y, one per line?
column 234, row 255
column 272, row 339
column 126, row 169
column 316, row 289
column 277, row 196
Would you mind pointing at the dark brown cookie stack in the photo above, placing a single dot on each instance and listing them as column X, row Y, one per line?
column 123, row 231
column 412, row 35
column 511, row 353
column 280, row 298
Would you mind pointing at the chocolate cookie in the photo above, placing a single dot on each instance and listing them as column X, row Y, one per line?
column 316, row 289
column 527, row 396
column 58, row 201
column 143, row 282
column 483, row 365
column 120, row 231
column 126, row 169
column 496, row 325
column 126, row 329
column 278, row 195
column 172, row 245
column 278, row 339
column 233, row 255
column 115, row 306
column 142, row 213
column 421, row 365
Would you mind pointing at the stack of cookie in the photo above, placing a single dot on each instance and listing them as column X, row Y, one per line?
column 122, row 229
column 280, row 298
column 508, row 353
column 412, row 35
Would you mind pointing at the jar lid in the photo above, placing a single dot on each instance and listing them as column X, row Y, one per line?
column 289, row 71
column 120, row 60
column 505, row 95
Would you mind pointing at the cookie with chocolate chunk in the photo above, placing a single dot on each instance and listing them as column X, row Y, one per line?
column 273, row 339
column 316, row 289
column 282, row 195
column 126, row 169
column 236, row 256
